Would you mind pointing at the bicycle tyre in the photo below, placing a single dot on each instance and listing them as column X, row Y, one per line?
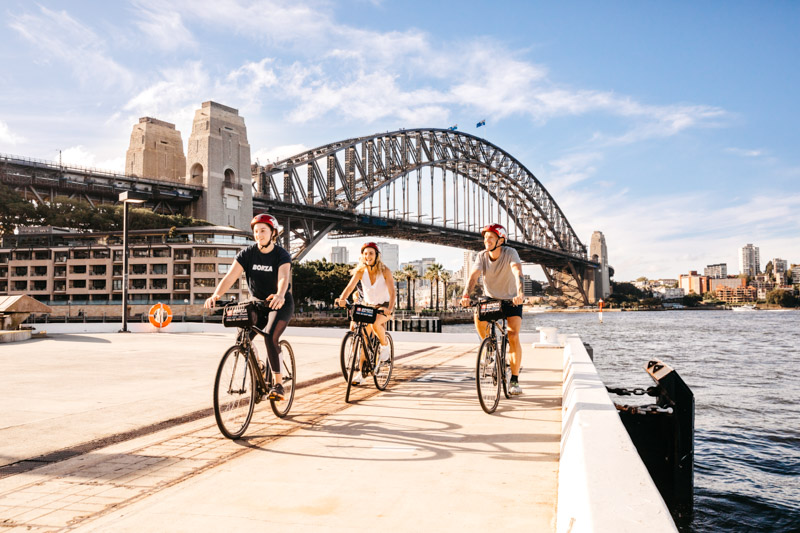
column 346, row 353
column 353, row 365
column 288, row 380
column 506, row 370
column 487, row 373
column 233, row 408
column 383, row 371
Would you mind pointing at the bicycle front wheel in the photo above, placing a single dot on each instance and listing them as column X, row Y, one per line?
column 487, row 376
column 383, row 369
column 346, row 353
column 288, row 379
column 357, row 347
column 234, row 393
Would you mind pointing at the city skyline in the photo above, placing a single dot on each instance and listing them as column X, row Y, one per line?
column 679, row 163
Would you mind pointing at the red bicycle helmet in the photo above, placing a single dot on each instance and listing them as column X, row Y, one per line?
column 264, row 218
column 371, row 245
column 497, row 229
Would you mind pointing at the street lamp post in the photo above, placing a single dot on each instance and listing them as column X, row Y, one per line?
column 127, row 197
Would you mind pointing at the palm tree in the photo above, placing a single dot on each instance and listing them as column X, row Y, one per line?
column 445, row 277
column 434, row 273
column 398, row 277
column 411, row 276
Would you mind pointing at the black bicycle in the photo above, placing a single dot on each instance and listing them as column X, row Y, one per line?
column 492, row 369
column 359, row 342
column 243, row 379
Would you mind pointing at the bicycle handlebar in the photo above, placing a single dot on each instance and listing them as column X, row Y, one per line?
column 349, row 305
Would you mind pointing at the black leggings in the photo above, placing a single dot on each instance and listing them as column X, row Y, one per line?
column 274, row 322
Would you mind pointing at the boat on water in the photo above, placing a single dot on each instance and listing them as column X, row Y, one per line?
column 746, row 307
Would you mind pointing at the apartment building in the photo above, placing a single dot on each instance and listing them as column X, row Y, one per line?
column 175, row 265
column 734, row 295
column 718, row 271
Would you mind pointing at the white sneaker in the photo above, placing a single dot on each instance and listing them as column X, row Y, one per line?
column 357, row 378
column 386, row 353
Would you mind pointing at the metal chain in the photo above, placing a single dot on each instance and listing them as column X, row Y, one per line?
column 650, row 391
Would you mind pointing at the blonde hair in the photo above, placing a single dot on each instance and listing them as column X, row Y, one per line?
column 361, row 266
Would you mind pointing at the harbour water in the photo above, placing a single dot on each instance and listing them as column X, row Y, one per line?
column 743, row 370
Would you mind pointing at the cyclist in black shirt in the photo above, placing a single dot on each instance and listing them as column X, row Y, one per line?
column 268, row 268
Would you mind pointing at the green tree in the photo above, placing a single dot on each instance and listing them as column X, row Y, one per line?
column 411, row 276
column 433, row 274
column 692, row 300
column 782, row 298
column 768, row 270
column 317, row 280
column 14, row 211
column 398, row 276
column 445, row 277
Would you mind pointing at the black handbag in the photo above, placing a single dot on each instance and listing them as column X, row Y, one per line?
column 364, row 314
column 489, row 310
column 239, row 315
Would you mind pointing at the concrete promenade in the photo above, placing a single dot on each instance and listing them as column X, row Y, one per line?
column 113, row 432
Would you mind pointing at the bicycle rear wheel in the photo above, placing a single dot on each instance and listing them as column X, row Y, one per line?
column 288, row 380
column 383, row 370
column 358, row 346
column 346, row 352
column 234, row 393
column 487, row 376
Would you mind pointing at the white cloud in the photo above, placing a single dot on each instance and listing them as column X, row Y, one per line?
column 63, row 39
column 668, row 235
column 745, row 153
column 162, row 25
column 571, row 169
column 8, row 137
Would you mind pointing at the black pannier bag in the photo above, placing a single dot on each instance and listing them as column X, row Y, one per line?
column 239, row 315
column 364, row 314
column 490, row 310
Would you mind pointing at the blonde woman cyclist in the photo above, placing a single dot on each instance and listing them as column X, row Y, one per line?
column 378, row 288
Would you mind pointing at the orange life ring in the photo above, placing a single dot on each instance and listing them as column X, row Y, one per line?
column 160, row 315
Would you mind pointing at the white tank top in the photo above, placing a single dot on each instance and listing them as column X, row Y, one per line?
column 374, row 294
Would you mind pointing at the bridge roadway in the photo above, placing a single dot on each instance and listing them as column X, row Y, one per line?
column 113, row 432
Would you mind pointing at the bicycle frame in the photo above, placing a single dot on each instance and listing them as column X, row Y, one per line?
column 263, row 383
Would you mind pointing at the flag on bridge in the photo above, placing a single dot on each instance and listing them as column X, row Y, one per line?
column 481, row 123
column 454, row 127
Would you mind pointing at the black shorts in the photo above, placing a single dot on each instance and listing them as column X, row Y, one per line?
column 509, row 309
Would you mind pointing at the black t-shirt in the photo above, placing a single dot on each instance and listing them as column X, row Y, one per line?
column 262, row 269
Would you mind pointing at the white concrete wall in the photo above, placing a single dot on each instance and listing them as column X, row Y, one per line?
column 602, row 483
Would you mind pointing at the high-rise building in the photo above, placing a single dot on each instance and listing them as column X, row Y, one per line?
column 749, row 260
column 718, row 271
column 339, row 254
column 779, row 266
column 421, row 266
column 599, row 252
column 390, row 255
column 469, row 258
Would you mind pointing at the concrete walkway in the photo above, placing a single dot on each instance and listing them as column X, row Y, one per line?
column 420, row 455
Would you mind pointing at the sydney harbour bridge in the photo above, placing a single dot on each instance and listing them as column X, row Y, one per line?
column 429, row 185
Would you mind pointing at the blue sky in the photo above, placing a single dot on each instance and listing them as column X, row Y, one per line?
column 671, row 127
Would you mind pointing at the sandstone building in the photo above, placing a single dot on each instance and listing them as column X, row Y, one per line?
column 155, row 151
column 218, row 159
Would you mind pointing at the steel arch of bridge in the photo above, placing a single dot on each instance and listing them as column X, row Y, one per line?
column 431, row 185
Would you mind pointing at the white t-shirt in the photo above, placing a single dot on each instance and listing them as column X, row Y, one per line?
column 498, row 278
